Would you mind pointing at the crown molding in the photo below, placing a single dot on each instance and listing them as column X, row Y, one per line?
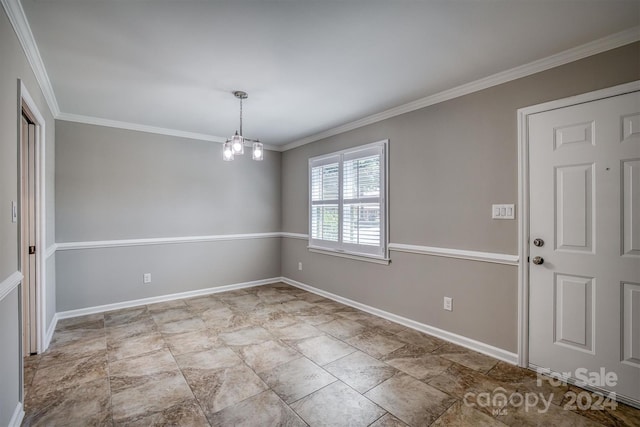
column 117, row 124
column 613, row 41
column 90, row 120
column 18, row 20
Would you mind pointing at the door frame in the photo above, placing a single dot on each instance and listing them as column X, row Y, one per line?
column 523, row 199
column 25, row 99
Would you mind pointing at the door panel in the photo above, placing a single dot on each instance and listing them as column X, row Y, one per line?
column 584, row 163
column 630, row 127
column 631, row 323
column 574, row 311
column 574, row 207
column 570, row 135
column 631, row 207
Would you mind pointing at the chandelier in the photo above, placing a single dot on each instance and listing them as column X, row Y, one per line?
column 235, row 145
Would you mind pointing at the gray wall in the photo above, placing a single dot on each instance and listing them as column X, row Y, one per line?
column 50, row 171
column 122, row 184
column 14, row 66
column 94, row 277
column 51, row 302
column 448, row 163
column 114, row 184
column 413, row 285
column 9, row 356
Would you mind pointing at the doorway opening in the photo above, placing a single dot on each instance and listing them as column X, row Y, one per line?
column 28, row 232
column 31, row 242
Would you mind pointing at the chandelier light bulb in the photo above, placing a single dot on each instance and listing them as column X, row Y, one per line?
column 227, row 152
column 258, row 151
column 237, row 142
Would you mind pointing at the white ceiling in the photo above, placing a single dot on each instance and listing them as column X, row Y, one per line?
column 308, row 66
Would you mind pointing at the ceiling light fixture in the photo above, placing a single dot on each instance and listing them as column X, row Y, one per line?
column 235, row 145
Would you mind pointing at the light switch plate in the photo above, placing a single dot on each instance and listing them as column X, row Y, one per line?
column 503, row 211
column 14, row 211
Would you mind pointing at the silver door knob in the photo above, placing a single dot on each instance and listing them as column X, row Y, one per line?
column 538, row 242
column 537, row 260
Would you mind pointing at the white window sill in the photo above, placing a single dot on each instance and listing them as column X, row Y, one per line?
column 357, row 257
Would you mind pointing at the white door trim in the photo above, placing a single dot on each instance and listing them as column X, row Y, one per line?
column 523, row 200
column 41, row 305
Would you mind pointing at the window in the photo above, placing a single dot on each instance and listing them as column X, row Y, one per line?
column 348, row 201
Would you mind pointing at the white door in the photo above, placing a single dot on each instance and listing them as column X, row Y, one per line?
column 28, row 233
column 584, row 291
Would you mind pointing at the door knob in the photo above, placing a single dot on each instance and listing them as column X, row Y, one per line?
column 538, row 242
column 537, row 260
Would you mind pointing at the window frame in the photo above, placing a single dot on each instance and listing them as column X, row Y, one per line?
column 379, row 254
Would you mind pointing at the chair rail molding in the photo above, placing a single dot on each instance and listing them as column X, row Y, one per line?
column 496, row 258
column 94, row 244
column 10, row 283
column 492, row 257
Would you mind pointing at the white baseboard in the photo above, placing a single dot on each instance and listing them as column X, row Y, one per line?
column 50, row 331
column 472, row 344
column 161, row 298
column 469, row 343
column 18, row 415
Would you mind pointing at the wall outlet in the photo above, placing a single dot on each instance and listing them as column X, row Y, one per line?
column 299, row 266
column 448, row 303
column 146, row 278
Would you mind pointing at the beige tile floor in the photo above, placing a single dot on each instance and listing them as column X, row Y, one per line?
column 276, row 356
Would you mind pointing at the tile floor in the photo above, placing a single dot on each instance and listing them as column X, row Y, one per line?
column 276, row 356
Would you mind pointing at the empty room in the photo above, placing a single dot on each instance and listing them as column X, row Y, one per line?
column 320, row 213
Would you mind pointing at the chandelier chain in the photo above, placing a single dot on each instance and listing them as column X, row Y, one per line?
column 241, row 116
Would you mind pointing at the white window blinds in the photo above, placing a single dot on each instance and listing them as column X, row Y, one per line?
column 325, row 199
column 347, row 206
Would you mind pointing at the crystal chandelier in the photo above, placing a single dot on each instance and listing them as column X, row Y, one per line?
column 235, row 145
